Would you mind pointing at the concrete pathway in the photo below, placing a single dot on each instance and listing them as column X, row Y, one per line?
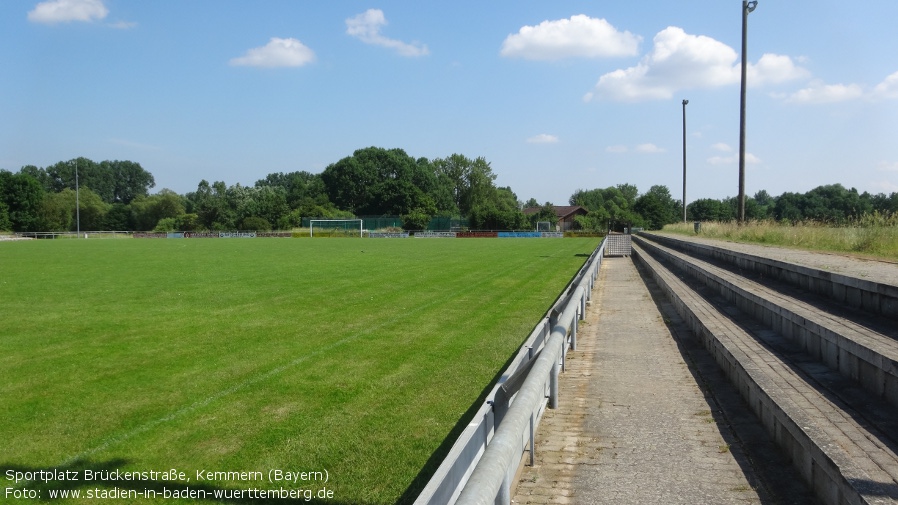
column 633, row 425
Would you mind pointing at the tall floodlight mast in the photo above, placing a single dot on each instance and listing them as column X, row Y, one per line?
column 684, row 160
column 77, row 202
column 747, row 8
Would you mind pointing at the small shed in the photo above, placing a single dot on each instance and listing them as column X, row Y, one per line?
column 565, row 215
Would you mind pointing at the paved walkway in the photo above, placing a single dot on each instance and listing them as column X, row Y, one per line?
column 633, row 425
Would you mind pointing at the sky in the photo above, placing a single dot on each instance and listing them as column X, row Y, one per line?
column 556, row 95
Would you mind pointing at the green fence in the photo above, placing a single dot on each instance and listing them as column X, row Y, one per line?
column 439, row 223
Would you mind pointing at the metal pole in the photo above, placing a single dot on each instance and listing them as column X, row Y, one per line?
column 532, row 440
column 77, row 202
column 553, row 381
column 747, row 7
column 684, row 160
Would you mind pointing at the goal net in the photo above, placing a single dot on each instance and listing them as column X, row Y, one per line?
column 335, row 227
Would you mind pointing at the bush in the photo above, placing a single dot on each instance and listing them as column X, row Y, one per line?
column 416, row 220
column 254, row 223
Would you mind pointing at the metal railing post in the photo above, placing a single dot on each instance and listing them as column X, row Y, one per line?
column 553, row 387
column 532, row 440
column 564, row 345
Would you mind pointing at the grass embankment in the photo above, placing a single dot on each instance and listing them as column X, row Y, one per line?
column 355, row 357
column 874, row 235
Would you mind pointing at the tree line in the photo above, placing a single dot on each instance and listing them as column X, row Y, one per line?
column 832, row 203
column 622, row 205
column 115, row 195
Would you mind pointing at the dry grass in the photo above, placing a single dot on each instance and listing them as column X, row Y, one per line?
column 872, row 235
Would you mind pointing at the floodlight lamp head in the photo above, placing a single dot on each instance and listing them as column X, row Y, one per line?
column 685, row 102
column 751, row 6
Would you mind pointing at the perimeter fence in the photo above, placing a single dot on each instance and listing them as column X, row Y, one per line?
column 438, row 223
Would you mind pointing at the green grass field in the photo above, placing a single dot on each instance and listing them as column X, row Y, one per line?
column 354, row 357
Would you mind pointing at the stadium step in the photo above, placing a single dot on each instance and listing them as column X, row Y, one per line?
column 860, row 346
column 840, row 436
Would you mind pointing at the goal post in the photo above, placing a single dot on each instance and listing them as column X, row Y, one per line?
column 339, row 224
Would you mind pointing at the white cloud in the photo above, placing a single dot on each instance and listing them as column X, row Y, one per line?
column 888, row 88
column 772, row 68
column 887, row 166
column 720, row 146
column 277, row 53
column 123, row 25
column 616, row 149
column 366, row 27
column 650, row 148
column 578, row 37
column 681, row 61
column 818, row 92
column 750, row 159
column 542, row 138
column 886, row 186
column 63, row 11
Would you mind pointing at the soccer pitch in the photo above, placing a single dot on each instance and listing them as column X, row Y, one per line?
column 337, row 367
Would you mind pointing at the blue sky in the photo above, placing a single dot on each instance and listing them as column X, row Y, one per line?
column 556, row 95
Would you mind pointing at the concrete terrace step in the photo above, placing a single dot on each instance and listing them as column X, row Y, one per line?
column 859, row 353
column 844, row 457
column 868, row 285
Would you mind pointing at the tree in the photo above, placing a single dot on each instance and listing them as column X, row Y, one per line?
column 546, row 213
column 657, row 207
column 415, row 220
column 119, row 217
column 149, row 210
column 377, row 181
column 610, row 206
column 210, row 202
column 40, row 175
column 654, row 212
column 5, row 223
column 271, row 204
column 113, row 181
column 68, row 211
column 708, row 209
column 592, row 200
column 254, row 223
column 469, row 182
column 129, row 180
column 22, row 197
column 885, row 204
column 499, row 211
column 298, row 187
column 765, row 204
column 788, row 207
column 57, row 211
column 629, row 191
